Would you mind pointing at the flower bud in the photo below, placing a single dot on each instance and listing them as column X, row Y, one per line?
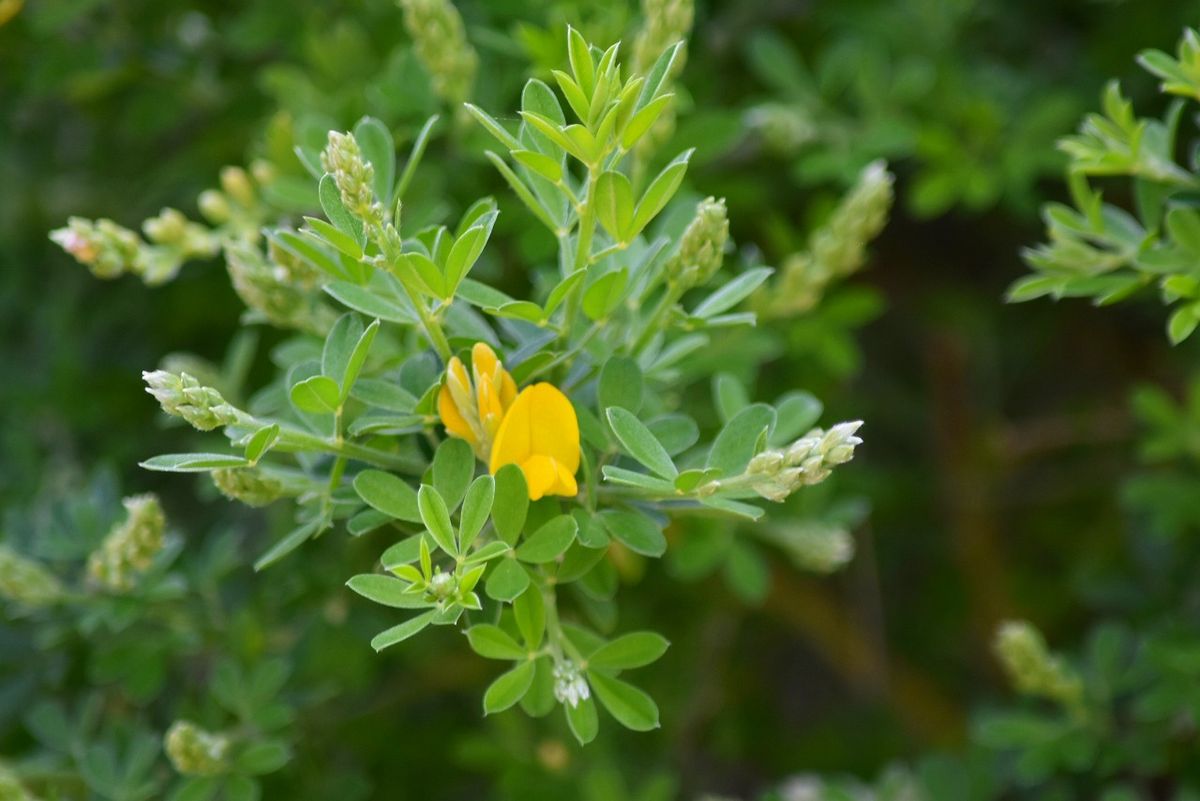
column 280, row 294
column 25, row 581
column 214, row 206
column 702, row 246
column 236, row 184
column 196, row 752
column 180, row 395
column 664, row 22
column 784, row 128
column 836, row 250
column 442, row 48
column 1031, row 667
column 343, row 159
column 473, row 405
column 131, row 545
column 250, row 485
column 570, row 687
column 107, row 249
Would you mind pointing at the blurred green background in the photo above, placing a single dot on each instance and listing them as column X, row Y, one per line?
column 1000, row 467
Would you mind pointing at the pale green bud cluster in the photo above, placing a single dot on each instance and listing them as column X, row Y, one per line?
column 664, row 22
column 130, row 548
column 1032, row 669
column 702, row 246
column 783, row 127
column 276, row 291
column 838, row 248
column 236, row 206
column 11, row 788
column 776, row 473
column 181, row 395
column 196, row 752
column 110, row 250
column 24, row 581
column 818, row 547
column 342, row 158
column 293, row 270
column 249, row 485
column 442, row 47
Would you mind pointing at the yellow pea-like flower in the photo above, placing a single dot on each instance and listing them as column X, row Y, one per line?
column 474, row 409
column 540, row 434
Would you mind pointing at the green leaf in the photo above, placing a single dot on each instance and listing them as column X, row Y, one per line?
column 402, row 632
column 736, row 444
column 732, row 293
column 614, row 205
column 262, row 757
column 489, row 552
column 506, row 581
column 358, row 357
column 372, row 301
column 632, row 708
column 620, row 384
column 730, row 396
column 508, row 689
column 549, row 541
column 660, row 191
column 561, row 290
column 605, row 293
column 317, row 395
column 453, row 466
column 583, row 720
column 635, row 531
column 493, row 127
column 193, row 462
column 241, row 788
column 676, row 432
column 389, row 494
column 643, row 120
column 545, row 166
column 659, row 74
column 747, row 573
column 339, row 343
column 795, row 413
column 629, row 651
column 261, row 441
column 522, row 191
column 511, row 504
column 529, row 610
column 379, row 149
column 493, row 642
column 404, row 552
column 387, row 591
column 466, row 251
column 337, row 214
column 632, row 478
column 539, row 701
column 330, row 235
column 436, row 518
column 640, row 443
column 580, row 56
column 476, row 508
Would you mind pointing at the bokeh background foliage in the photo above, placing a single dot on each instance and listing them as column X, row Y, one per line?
column 1007, row 472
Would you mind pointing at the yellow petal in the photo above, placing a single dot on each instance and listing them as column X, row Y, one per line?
column 565, row 483
column 452, row 419
column 491, row 413
column 554, row 429
column 511, row 445
column 484, row 360
column 540, row 475
column 508, row 389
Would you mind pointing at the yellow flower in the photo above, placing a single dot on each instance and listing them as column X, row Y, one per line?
column 540, row 434
column 474, row 410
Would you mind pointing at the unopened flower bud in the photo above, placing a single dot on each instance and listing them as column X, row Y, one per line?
column 181, row 395
column 196, row 752
column 442, row 585
column 250, row 485
column 131, row 545
column 343, row 159
column 107, row 249
column 184, row 238
column 664, row 22
column 702, row 246
column 282, row 296
column 24, row 581
column 1031, row 667
column 570, row 687
column 442, row 48
column 784, row 128
column 214, row 206
column 236, row 184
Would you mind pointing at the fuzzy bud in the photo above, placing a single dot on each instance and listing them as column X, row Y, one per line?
column 836, row 250
column 1031, row 667
column 181, row 395
column 275, row 291
column 702, row 246
column 342, row 158
column 107, row 249
column 188, row 239
column 130, row 548
column 442, row 48
column 235, row 183
column 196, row 752
column 783, row 128
column 25, row 581
column 570, row 687
column 214, row 206
column 249, row 485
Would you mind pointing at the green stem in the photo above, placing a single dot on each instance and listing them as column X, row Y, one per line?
column 295, row 439
column 583, row 250
column 670, row 297
column 559, row 643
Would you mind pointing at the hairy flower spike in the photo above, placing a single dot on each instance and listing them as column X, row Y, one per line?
column 281, row 294
column 836, row 250
column 702, row 246
column 107, row 249
column 196, row 752
column 131, row 545
column 540, row 434
column 776, row 474
column 180, row 395
column 1035, row 671
column 249, row 485
column 664, row 22
column 472, row 406
column 343, row 159
column 24, row 581
column 441, row 44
